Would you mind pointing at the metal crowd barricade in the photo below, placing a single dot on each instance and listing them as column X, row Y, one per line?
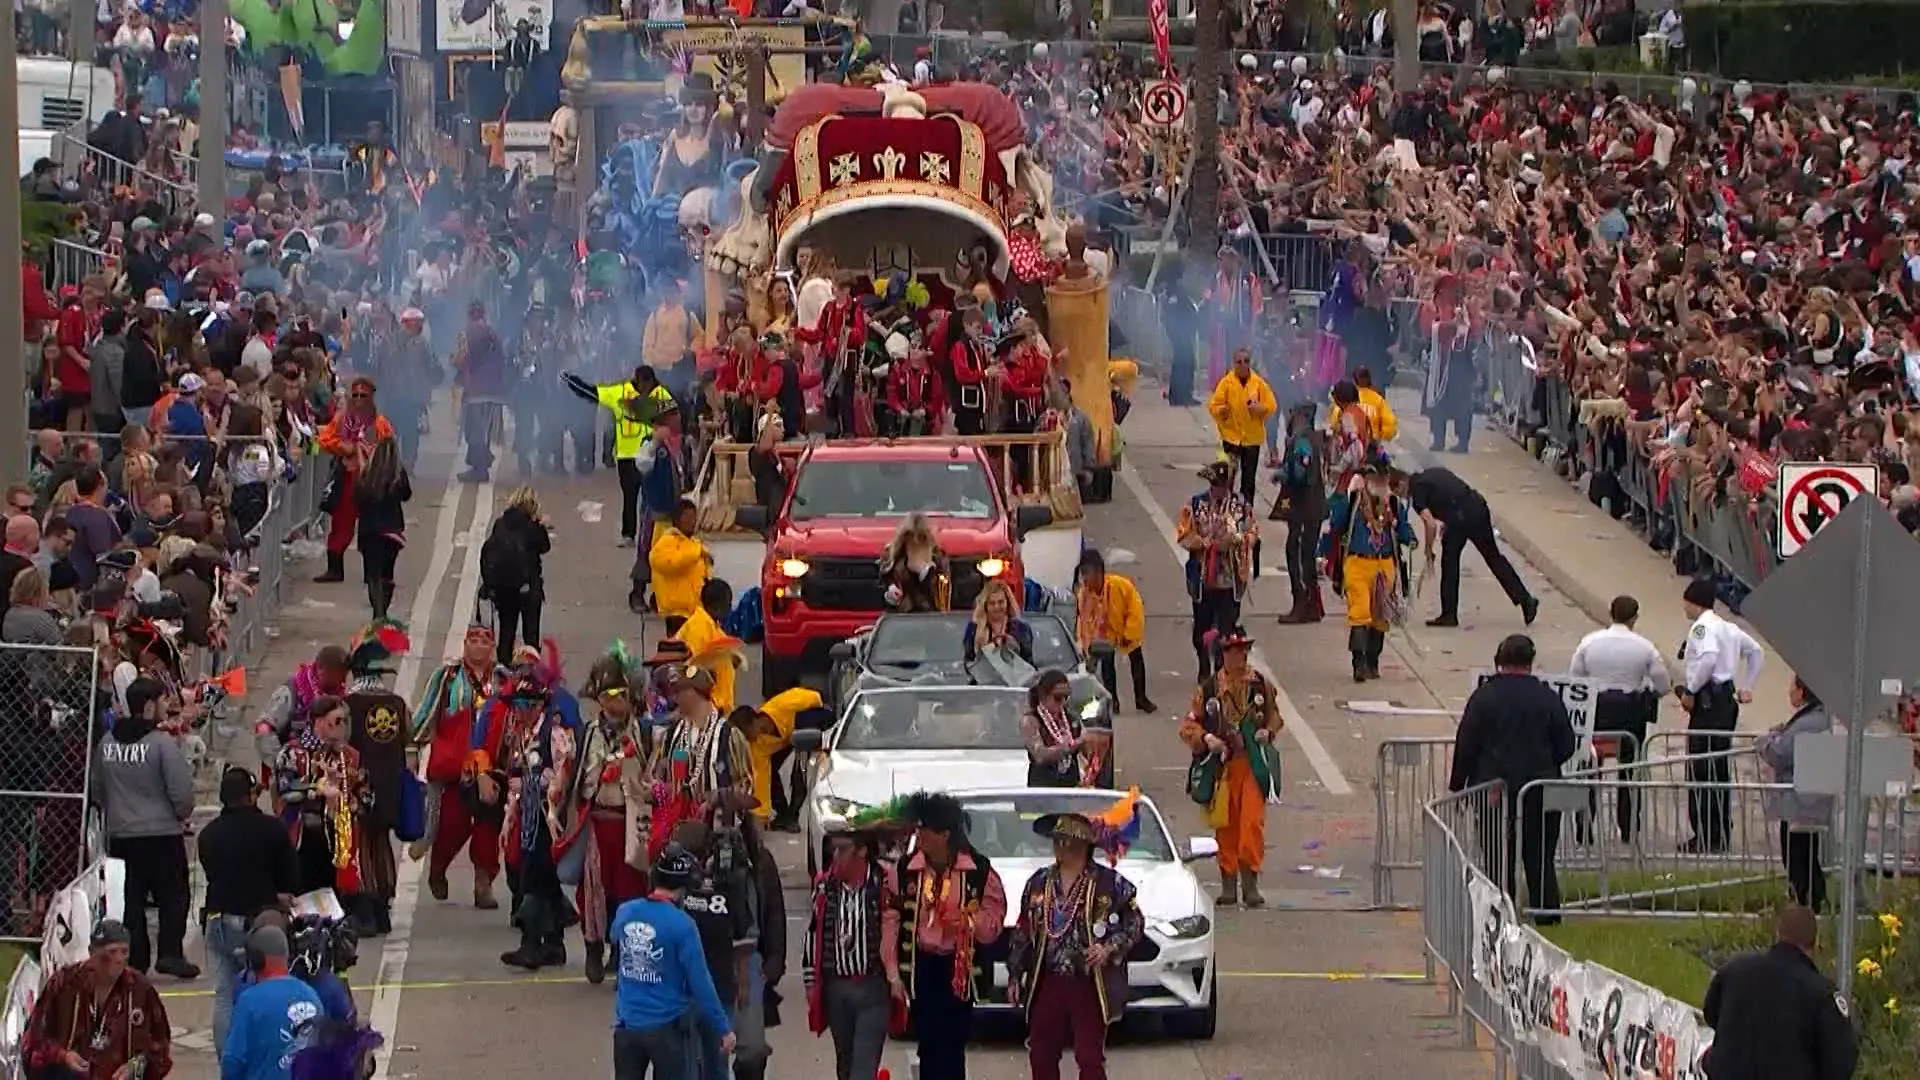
column 47, row 694
column 72, row 263
column 100, row 168
column 1408, row 775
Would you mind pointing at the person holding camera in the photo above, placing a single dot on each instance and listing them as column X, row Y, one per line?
column 248, row 861
column 145, row 789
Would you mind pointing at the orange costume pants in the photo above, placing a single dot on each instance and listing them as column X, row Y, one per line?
column 1243, row 840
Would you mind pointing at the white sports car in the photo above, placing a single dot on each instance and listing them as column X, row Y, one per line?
column 1170, row 973
column 895, row 741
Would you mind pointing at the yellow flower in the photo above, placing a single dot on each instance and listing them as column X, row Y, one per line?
column 1890, row 924
column 1893, row 1006
column 1867, row 968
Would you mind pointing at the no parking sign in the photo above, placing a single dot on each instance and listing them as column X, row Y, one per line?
column 1813, row 493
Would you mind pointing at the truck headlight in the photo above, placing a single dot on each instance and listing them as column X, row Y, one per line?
column 794, row 568
column 992, row 567
column 1184, row 929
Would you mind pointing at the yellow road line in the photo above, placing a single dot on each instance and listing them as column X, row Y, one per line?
column 533, row 980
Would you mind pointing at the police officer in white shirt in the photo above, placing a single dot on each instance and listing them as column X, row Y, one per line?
column 1631, row 677
column 1722, row 663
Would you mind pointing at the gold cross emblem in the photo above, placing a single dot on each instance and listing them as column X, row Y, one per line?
column 844, row 169
column 933, row 167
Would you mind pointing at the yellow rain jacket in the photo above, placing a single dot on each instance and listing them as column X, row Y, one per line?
column 1115, row 614
column 1379, row 415
column 699, row 632
column 680, row 567
column 1240, row 410
column 783, row 709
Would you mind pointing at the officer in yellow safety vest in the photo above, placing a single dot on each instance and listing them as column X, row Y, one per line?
column 637, row 404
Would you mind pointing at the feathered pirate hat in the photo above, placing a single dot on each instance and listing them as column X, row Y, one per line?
column 613, row 673
column 903, row 814
column 535, row 672
column 146, row 635
column 375, row 644
column 1112, row 830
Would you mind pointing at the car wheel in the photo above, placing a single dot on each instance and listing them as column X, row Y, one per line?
column 1197, row 1025
column 777, row 676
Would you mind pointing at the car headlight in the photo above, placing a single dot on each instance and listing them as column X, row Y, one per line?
column 834, row 806
column 992, row 568
column 794, row 568
column 1192, row 926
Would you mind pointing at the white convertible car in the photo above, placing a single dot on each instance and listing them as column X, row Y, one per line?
column 1170, row 973
column 898, row 740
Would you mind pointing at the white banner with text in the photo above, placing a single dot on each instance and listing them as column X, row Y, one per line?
column 1584, row 1018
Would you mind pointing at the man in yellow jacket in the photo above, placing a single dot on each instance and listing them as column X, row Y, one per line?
column 1107, row 608
column 1240, row 405
column 680, row 565
column 770, row 745
column 1380, row 419
column 702, row 630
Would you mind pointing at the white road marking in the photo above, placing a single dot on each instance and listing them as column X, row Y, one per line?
column 389, row 978
column 1310, row 744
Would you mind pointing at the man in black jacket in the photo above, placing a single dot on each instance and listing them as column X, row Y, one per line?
column 1515, row 730
column 247, row 859
column 1775, row 1016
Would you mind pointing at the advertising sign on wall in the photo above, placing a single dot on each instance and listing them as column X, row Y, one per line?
column 487, row 25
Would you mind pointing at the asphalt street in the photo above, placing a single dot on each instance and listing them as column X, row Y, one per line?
column 1317, row 985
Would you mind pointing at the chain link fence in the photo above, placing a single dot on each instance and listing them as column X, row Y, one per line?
column 49, row 695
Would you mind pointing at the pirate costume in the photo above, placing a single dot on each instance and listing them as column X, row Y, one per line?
column 698, row 759
column 1067, row 959
column 1218, row 532
column 524, row 750
column 1372, row 529
column 456, row 818
column 379, row 737
column 850, row 959
column 947, row 914
column 1235, row 705
column 600, row 820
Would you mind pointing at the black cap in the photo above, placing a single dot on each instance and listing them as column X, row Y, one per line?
column 109, row 932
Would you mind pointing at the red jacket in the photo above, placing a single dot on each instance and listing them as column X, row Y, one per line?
column 911, row 387
column 1027, row 375
column 841, row 323
column 969, row 363
column 36, row 305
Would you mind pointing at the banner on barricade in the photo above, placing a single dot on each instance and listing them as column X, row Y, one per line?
column 96, row 895
column 1580, row 696
column 1586, row 1019
column 23, row 991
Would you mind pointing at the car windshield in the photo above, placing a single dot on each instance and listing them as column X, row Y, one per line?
column 912, row 641
column 934, row 718
column 892, row 488
column 1001, row 826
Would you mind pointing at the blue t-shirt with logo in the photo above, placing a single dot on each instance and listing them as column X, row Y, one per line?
column 272, row 1022
column 662, row 972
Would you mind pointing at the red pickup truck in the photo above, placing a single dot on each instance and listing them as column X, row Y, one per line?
column 820, row 580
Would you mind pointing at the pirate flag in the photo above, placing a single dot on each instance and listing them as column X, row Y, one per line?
column 380, row 718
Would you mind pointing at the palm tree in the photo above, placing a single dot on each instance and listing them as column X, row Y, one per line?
column 1203, row 190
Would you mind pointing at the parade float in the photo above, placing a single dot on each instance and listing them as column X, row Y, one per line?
column 934, row 182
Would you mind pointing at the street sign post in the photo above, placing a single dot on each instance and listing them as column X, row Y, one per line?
column 1842, row 614
column 1813, row 493
column 1164, row 102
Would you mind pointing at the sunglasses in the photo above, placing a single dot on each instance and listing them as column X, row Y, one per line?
column 360, row 395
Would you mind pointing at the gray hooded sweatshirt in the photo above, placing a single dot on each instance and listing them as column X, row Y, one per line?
column 142, row 781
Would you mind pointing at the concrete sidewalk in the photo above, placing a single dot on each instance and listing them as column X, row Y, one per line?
column 1588, row 556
